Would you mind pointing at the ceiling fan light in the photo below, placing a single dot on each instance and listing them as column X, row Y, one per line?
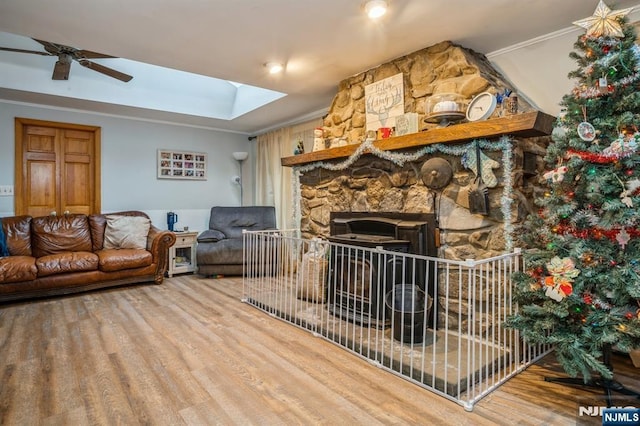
column 274, row 67
column 375, row 8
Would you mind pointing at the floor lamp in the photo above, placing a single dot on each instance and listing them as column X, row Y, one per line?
column 240, row 156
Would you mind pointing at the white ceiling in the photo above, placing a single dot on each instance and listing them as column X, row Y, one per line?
column 321, row 42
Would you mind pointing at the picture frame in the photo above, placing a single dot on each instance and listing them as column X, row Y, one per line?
column 406, row 124
column 182, row 165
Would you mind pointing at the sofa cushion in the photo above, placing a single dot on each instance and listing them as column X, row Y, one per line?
column 61, row 263
column 14, row 269
column 17, row 233
column 228, row 251
column 117, row 260
column 126, row 232
column 59, row 234
column 97, row 225
column 211, row 236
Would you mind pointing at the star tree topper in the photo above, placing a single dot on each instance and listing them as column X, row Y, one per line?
column 604, row 22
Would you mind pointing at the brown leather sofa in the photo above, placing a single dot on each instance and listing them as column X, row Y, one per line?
column 54, row 255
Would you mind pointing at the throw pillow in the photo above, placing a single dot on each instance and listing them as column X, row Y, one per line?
column 4, row 250
column 126, row 232
column 211, row 236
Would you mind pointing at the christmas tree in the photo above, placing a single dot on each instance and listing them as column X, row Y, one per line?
column 580, row 287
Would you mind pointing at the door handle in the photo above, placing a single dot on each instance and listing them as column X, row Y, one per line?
column 53, row 213
column 66, row 212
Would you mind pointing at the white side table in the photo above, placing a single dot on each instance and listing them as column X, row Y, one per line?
column 182, row 255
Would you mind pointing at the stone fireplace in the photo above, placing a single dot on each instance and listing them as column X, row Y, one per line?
column 376, row 181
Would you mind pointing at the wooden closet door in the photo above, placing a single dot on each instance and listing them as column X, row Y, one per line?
column 57, row 168
column 77, row 186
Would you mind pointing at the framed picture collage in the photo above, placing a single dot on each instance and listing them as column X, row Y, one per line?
column 182, row 165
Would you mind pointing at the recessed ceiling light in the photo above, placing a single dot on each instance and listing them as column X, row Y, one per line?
column 375, row 8
column 274, row 67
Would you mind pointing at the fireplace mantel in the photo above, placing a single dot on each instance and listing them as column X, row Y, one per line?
column 530, row 124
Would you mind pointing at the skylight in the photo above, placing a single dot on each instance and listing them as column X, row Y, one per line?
column 152, row 87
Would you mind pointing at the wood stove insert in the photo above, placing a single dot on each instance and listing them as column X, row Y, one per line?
column 359, row 278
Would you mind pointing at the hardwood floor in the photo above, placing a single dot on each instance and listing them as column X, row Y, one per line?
column 190, row 352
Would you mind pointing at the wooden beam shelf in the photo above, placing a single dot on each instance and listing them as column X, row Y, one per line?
column 529, row 124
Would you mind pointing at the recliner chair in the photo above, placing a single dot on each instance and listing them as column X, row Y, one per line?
column 219, row 250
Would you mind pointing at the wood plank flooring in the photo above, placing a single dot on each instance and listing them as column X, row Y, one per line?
column 190, row 352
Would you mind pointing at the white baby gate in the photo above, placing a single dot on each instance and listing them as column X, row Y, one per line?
column 435, row 322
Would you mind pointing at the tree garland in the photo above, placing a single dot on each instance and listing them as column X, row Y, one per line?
column 401, row 158
column 606, row 61
column 594, row 92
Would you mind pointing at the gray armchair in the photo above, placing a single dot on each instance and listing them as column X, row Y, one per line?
column 219, row 248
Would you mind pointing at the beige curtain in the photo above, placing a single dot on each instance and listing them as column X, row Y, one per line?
column 274, row 183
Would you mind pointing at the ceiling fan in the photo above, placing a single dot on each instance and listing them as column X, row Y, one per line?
column 67, row 54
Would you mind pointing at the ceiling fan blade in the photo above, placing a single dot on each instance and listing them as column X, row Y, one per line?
column 88, row 54
column 55, row 48
column 61, row 70
column 35, row 52
column 52, row 48
column 105, row 70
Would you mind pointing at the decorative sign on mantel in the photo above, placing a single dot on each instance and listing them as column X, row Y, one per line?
column 406, row 124
column 182, row 165
column 384, row 101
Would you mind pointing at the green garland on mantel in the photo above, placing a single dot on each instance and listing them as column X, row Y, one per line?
column 505, row 145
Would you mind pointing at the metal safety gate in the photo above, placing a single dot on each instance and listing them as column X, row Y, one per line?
column 435, row 322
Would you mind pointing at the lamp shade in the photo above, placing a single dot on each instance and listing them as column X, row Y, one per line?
column 240, row 155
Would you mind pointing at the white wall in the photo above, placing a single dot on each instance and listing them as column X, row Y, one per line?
column 538, row 68
column 129, row 152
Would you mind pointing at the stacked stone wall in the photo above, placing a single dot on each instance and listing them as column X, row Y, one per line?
column 442, row 68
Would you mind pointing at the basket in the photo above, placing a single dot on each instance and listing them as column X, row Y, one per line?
column 312, row 278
